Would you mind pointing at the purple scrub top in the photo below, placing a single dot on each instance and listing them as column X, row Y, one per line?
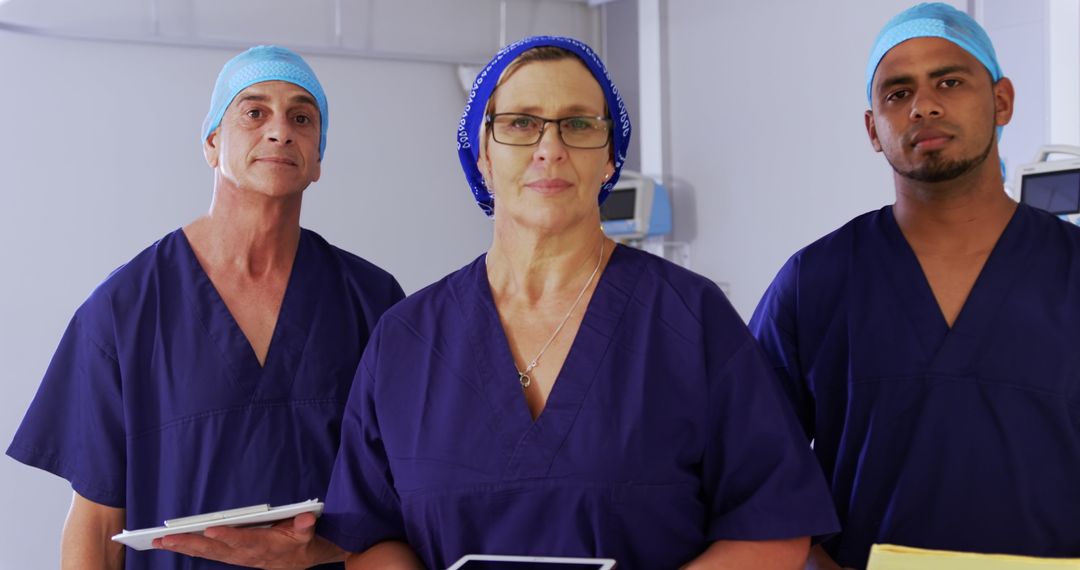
column 666, row 430
column 963, row 439
column 156, row 403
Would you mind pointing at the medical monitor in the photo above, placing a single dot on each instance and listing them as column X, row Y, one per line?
column 1051, row 185
column 620, row 205
column 1056, row 192
column 626, row 212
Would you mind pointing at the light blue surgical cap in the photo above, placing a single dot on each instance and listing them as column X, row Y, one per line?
column 259, row 64
column 933, row 20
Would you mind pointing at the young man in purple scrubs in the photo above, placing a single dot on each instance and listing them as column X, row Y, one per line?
column 211, row 371
column 930, row 346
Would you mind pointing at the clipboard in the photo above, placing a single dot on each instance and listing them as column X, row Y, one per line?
column 895, row 557
column 254, row 515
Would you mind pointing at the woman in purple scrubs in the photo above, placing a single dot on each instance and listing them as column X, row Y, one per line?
column 564, row 395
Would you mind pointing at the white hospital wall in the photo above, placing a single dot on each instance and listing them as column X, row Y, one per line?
column 1038, row 46
column 1019, row 34
column 100, row 156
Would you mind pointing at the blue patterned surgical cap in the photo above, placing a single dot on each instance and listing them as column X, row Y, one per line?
column 468, row 133
column 933, row 20
column 259, row 64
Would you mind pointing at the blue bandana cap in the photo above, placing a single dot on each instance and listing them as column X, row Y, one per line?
column 259, row 64
column 933, row 20
column 468, row 132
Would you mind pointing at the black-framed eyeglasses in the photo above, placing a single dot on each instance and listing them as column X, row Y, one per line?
column 521, row 129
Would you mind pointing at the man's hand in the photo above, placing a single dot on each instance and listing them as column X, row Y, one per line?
column 820, row 560
column 782, row 554
column 288, row 545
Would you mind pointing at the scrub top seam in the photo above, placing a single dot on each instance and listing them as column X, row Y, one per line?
column 428, row 342
column 513, row 486
column 923, row 311
column 600, row 358
column 651, row 268
column 196, row 307
column 54, row 463
column 245, row 361
column 285, row 318
column 786, row 295
column 215, row 340
column 962, row 379
column 747, row 344
column 233, row 409
column 95, row 342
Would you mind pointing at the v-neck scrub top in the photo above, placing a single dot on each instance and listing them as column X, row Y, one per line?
column 156, row 403
column 665, row 430
column 965, row 438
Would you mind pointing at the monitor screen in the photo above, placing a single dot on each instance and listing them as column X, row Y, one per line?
column 1055, row 192
column 619, row 205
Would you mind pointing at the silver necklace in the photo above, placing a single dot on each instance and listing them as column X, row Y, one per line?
column 523, row 375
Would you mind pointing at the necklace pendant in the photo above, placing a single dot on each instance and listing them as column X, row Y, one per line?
column 524, row 380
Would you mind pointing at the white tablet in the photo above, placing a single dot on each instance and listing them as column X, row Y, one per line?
column 494, row 562
column 246, row 516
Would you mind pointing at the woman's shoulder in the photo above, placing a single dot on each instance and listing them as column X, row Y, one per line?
column 680, row 293
column 449, row 294
column 653, row 272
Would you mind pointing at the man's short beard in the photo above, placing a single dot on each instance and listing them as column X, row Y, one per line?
column 936, row 170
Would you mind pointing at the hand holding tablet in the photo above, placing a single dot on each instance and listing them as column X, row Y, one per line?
column 143, row 539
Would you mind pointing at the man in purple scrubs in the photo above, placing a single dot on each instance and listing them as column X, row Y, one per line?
column 930, row 346
column 211, row 371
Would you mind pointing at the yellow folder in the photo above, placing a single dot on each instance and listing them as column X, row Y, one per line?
column 892, row 557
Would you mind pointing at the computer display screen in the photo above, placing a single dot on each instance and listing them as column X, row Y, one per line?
column 1055, row 192
column 618, row 206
